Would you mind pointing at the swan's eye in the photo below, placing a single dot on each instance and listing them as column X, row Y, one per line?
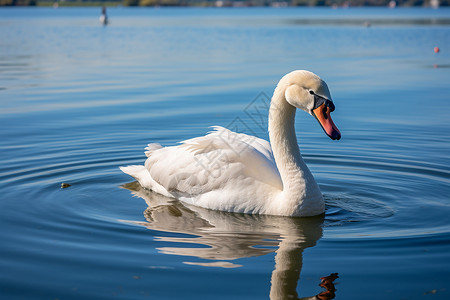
column 311, row 92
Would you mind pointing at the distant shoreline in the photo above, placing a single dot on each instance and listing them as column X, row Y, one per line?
column 228, row 3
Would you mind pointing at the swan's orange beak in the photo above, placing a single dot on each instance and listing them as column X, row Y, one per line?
column 322, row 114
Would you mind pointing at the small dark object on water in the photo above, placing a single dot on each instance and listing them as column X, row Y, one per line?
column 65, row 185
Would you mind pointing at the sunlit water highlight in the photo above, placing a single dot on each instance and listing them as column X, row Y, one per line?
column 77, row 100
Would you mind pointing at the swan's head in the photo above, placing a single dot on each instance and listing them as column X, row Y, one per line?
column 306, row 91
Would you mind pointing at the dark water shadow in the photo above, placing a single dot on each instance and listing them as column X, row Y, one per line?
column 217, row 239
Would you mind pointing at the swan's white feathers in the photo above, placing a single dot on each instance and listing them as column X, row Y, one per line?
column 208, row 163
column 152, row 147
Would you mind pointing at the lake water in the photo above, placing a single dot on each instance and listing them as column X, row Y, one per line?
column 78, row 100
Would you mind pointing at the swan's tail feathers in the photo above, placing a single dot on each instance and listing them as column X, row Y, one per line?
column 152, row 147
column 139, row 173
column 142, row 175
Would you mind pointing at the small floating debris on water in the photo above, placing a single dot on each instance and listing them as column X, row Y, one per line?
column 436, row 50
column 65, row 185
column 367, row 24
column 392, row 4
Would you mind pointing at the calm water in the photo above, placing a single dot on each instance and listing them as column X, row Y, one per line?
column 78, row 100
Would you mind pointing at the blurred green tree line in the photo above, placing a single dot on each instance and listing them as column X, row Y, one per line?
column 221, row 2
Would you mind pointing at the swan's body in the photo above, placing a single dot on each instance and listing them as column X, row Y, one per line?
column 103, row 19
column 235, row 172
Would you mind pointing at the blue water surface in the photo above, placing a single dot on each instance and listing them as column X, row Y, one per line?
column 78, row 100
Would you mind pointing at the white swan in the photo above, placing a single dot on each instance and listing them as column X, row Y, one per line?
column 236, row 172
column 103, row 17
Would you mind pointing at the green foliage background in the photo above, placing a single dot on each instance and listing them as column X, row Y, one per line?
column 212, row 2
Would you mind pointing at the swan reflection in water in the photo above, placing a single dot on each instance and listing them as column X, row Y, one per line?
column 230, row 236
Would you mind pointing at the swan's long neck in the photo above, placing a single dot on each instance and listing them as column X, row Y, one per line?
column 299, row 185
column 284, row 141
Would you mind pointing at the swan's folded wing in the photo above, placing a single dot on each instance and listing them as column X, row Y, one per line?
column 208, row 163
